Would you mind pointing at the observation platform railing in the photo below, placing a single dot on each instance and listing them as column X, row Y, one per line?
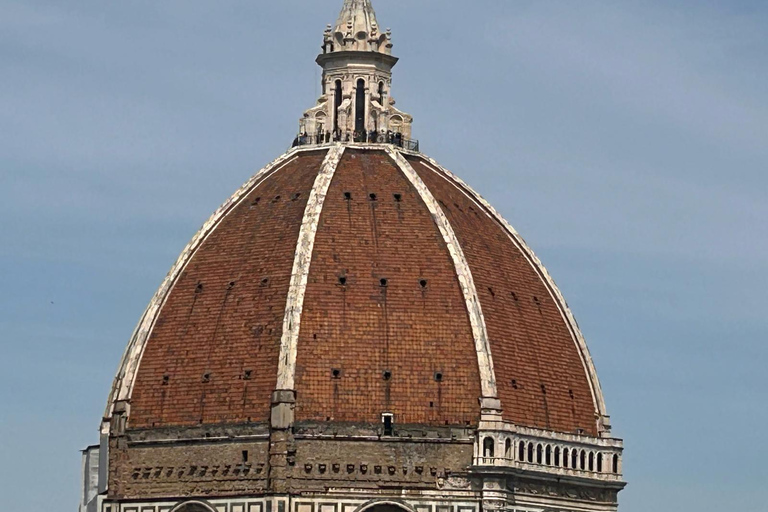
column 379, row 138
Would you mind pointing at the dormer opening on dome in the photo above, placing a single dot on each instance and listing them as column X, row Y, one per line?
column 388, row 420
column 356, row 105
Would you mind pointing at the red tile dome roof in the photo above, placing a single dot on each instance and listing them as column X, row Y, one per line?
column 369, row 280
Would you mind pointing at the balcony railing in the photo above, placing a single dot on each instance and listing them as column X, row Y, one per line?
column 372, row 138
column 599, row 460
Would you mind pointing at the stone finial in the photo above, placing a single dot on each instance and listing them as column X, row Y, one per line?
column 357, row 29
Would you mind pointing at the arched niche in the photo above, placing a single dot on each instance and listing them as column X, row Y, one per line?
column 321, row 122
column 488, row 447
column 396, row 123
column 385, row 506
column 193, row 506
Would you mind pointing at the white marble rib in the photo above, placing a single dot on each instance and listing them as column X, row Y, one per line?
column 557, row 296
column 477, row 321
column 122, row 386
column 294, row 305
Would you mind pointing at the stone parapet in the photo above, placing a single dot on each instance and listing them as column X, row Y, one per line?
column 542, row 451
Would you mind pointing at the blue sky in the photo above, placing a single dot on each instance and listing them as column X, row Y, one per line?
column 626, row 140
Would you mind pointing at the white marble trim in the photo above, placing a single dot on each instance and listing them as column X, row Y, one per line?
column 477, row 321
column 129, row 363
column 302, row 260
column 557, row 296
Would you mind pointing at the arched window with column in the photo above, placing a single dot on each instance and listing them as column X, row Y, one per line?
column 337, row 98
column 488, row 445
column 360, row 107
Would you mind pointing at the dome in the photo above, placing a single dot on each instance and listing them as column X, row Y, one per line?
column 370, row 280
column 355, row 330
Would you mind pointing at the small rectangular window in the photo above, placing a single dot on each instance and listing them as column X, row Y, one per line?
column 388, row 420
